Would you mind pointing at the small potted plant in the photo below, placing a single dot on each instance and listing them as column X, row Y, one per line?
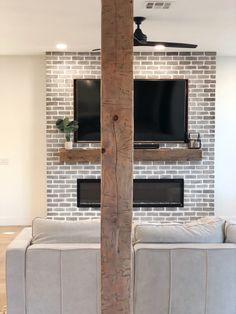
column 67, row 127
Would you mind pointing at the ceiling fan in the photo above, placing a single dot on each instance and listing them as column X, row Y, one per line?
column 140, row 39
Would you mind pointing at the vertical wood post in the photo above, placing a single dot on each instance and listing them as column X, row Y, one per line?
column 117, row 155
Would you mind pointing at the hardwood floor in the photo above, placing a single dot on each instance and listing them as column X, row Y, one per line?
column 7, row 234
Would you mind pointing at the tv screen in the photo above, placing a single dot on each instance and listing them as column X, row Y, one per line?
column 160, row 110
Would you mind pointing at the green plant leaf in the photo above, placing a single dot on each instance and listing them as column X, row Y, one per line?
column 59, row 121
column 67, row 126
column 66, row 122
column 59, row 124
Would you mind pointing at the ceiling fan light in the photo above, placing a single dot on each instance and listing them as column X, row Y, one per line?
column 159, row 47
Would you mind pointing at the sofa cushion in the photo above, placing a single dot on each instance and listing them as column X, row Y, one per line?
column 205, row 230
column 230, row 231
column 62, row 278
column 185, row 278
column 52, row 231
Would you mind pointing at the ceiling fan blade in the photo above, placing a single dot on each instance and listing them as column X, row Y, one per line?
column 140, row 39
column 167, row 44
column 144, row 43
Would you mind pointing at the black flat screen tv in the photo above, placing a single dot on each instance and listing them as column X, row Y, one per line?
column 160, row 110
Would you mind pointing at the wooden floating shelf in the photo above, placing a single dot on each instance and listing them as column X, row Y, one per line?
column 78, row 155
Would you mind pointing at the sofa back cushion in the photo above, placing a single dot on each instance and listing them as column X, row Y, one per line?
column 205, row 230
column 230, row 231
column 52, row 231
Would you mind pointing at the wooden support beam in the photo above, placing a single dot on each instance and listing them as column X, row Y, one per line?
column 117, row 155
column 160, row 154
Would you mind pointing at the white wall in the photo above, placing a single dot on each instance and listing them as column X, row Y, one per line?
column 225, row 154
column 22, row 139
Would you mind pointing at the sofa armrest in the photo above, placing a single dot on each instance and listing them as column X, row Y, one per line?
column 15, row 272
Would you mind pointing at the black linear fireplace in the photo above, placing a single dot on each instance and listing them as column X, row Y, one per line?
column 147, row 192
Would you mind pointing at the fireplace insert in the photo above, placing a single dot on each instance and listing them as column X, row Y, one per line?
column 146, row 193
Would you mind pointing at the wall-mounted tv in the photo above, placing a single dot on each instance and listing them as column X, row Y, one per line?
column 160, row 110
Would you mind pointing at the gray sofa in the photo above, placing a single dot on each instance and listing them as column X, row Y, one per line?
column 57, row 269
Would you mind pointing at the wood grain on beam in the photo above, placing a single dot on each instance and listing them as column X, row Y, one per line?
column 80, row 155
column 166, row 154
column 178, row 154
column 117, row 155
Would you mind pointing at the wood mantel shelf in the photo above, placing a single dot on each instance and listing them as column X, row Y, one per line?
column 77, row 155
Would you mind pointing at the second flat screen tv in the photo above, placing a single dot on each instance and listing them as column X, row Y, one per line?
column 160, row 110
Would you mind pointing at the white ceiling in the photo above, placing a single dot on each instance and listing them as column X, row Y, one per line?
column 33, row 27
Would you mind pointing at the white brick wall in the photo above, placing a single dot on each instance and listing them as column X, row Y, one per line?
column 199, row 68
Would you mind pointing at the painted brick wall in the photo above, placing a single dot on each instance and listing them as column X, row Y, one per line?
column 199, row 68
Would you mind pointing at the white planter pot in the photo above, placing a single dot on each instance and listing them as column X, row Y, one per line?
column 69, row 145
